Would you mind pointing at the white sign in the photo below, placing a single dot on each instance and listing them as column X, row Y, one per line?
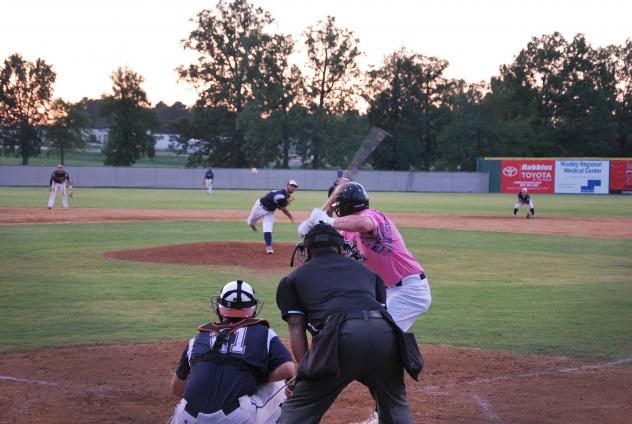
column 582, row 176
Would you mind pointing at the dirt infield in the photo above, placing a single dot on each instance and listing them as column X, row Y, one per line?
column 551, row 225
column 130, row 382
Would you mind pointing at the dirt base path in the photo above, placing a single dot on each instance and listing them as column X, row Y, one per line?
column 130, row 383
column 555, row 225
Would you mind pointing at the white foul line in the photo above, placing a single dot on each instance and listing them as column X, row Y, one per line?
column 483, row 380
column 26, row 380
column 487, row 408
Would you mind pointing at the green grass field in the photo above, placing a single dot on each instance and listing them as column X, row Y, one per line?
column 519, row 292
column 92, row 158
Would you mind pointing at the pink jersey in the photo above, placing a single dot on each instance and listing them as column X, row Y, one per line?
column 384, row 249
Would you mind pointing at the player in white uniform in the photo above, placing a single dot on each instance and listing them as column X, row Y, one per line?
column 264, row 209
column 524, row 199
column 58, row 180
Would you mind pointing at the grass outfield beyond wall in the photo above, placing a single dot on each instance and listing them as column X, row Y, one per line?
column 520, row 292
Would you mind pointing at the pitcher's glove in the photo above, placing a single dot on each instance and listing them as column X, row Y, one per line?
column 69, row 191
column 290, row 199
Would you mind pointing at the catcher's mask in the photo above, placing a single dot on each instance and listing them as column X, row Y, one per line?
column 236, row 300
column 352, row 198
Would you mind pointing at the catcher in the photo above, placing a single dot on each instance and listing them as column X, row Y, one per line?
column 57, row 182
column 524, row 199
column 232, row 371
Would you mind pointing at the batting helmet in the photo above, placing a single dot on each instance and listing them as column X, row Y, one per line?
column 352, row 198
column 323, row 235
column 236, row 300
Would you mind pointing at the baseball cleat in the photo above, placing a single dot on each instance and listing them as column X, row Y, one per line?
column 269, row 250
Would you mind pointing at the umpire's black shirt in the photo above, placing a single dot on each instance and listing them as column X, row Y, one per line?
column 329, row 283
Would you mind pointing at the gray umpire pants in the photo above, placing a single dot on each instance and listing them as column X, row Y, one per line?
column 368, row 353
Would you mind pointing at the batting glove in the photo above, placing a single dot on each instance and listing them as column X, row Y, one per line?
column 304, row 228
column 319, row 215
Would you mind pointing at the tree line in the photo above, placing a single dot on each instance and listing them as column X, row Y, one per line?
column 256, row 108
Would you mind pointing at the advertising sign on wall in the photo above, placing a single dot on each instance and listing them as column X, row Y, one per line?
column 535, row 175
column 582, row 176
column 621, row 176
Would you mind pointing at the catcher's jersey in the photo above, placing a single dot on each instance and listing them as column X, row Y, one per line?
column 384, row 249
column 329, row 283
column 59, row 177
column 274, row 199
column 212, row 385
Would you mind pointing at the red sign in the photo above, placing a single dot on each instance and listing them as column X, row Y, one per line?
column 621, row 175
column 535, row 175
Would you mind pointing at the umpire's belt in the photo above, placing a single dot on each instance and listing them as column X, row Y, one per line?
column 365, row 315
column 400, row 282
column 226, row 409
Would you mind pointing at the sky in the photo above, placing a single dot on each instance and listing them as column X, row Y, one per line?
column 85, row 41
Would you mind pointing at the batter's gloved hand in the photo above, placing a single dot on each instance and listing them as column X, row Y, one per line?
column 304, row 228
column 318, row 216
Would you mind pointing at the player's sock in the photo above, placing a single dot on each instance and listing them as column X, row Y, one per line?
column 268, row 238
column 533, row 211
column 515, row 211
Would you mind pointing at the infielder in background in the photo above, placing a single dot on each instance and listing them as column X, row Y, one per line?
column 524, row 199
column 207, row 181
column 378, row 240
column 342, row 301
column 233, row 371
column 58, row 180
column 264, row 209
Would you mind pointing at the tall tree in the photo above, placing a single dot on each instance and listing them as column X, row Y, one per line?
column 407, row 96
column 230, row 42
column 332, row 82
column 276, row 117
column 129, row 138
column 66, row 131
column 26, row 91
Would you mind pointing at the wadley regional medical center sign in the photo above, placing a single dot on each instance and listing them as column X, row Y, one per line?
column 574, row 176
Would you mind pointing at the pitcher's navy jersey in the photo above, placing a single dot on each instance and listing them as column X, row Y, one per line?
column 209, row 174
column 274, row 199
column 212, row 385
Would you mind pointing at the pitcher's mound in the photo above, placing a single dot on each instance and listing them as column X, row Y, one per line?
column 232, row 253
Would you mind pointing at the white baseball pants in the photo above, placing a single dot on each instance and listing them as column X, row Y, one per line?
column 259, row 213
column 263, row 407
column 407, row 302
column 64, row 195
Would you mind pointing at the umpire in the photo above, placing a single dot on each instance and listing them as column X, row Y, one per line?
column 341, row 302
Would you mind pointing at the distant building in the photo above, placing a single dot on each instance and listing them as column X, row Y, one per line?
column 100, row 137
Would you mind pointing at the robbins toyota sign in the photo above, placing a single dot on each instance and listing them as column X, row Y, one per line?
column 535, row 175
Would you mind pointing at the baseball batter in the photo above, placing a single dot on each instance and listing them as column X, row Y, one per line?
column 264, row 209
column 207, row 181
column 232, row 371
column 524, row 199
column 58, row 180
column 383, row 248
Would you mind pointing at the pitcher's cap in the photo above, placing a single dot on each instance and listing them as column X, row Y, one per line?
column 292, row 182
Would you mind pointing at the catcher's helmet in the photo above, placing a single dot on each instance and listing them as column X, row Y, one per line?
column 323, row 235
column 352, row 198
column 236, row 300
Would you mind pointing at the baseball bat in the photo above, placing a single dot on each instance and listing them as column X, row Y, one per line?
column 369, row 144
